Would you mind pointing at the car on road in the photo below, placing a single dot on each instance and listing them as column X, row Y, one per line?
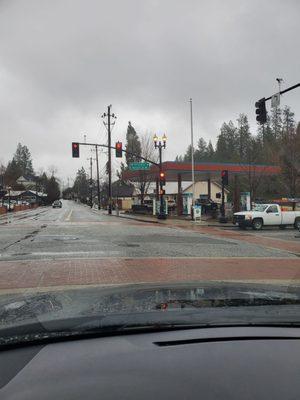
column 267, row 215
column 57, row 204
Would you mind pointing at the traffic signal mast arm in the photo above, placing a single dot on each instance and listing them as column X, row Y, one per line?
column 261, row 112
column 124, row 151
column 284, row 91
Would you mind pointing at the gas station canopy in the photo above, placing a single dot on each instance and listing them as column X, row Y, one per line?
column 203, row 171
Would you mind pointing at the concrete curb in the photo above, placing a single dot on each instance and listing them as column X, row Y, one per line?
column 138, row 219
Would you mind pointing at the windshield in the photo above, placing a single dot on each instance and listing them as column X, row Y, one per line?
column 260, row 207
column 136, row 139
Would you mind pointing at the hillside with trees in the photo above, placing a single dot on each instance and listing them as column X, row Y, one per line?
column 276, row 143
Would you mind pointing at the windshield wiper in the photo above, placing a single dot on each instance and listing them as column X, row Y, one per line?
column 239, row 302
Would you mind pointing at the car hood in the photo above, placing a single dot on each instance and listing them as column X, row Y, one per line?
column 18, row 310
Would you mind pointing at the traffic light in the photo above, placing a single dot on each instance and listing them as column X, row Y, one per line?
column 224, row 176
column 75, row 150
column 261, row 112
column 119, row 149
column 162, row 178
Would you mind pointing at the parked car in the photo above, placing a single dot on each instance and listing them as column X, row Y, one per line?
column 57, row 204
column 267, row 215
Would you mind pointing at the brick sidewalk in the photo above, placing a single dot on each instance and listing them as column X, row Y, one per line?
column 41, row 274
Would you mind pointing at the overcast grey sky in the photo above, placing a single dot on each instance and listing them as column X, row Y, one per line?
column 63, row 61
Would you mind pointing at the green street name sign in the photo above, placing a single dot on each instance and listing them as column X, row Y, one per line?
column 135, row 166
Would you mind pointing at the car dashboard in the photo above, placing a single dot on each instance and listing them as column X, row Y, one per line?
column 211, row 363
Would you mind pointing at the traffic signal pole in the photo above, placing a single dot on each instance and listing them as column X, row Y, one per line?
column 109, row 161
column 160, row 144
column 98, row 182
column 91, row 182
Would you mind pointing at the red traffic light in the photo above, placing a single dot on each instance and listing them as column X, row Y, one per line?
column 75, row 150
column 119, row 149
column 224, row 176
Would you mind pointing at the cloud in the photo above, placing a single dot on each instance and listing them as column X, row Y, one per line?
column 62, row 62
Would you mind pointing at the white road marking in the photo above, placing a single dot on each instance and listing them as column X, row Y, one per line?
column 69, row 216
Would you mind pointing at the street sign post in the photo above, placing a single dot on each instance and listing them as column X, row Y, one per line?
column 136, row 166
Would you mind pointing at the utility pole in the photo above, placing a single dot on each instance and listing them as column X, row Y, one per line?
column 109, row 162
column 109, row 124
column 91, row 182
column 98, row 183
column 192, row 150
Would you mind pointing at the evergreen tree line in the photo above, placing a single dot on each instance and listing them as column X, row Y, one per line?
column 21, row 165
column 276, row 143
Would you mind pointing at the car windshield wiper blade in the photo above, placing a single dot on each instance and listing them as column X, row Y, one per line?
column 238, row 302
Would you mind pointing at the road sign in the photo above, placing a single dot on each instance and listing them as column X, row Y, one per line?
column 135, row 166
column 275, row 100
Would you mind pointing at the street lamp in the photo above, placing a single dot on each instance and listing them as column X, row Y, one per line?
column 160, row 143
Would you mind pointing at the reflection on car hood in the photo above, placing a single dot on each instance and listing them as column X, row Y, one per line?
column 142, row 298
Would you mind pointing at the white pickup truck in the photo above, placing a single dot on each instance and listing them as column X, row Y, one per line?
column 266, row 215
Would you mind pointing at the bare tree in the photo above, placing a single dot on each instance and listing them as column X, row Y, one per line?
column 147, row 151
column 52, row 169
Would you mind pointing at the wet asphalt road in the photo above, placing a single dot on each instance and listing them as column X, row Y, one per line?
column 76, row 231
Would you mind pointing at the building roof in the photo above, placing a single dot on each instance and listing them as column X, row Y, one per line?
column 27, row 178
column 16, row 193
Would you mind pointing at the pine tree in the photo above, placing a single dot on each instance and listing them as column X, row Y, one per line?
column 244, row 136
column 290, row 159
column 227, row 149
column 12, row 173
column 22, row 158
column 201, row 151
column 188, row 154
column 288, row 122
column 210, row 152
column 133, row 145
column 276, row 123
column 81, row 185
column 52, row 189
